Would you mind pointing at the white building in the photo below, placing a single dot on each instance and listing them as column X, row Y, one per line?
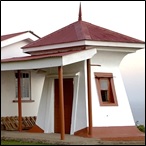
column 73, row 76
column 11, row 48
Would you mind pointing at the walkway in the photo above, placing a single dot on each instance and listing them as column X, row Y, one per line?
column 54, row 139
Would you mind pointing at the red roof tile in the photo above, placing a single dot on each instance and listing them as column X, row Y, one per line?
column 8, row 36
column 81, row 30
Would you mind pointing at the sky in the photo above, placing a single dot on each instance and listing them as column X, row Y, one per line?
column 126, row 17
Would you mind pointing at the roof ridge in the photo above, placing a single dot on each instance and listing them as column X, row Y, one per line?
column 15, row 33
column 8, row 36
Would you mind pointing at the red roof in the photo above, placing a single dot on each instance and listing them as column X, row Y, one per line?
column 8, row 36
column 81, row 30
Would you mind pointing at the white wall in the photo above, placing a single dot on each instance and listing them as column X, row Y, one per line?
column 8, row 107
column 79, row 111
column 14, row 50
column 120, row 115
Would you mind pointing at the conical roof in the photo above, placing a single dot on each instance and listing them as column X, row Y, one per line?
column 81, row 30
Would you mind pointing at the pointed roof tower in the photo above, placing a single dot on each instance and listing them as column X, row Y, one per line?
column 79, row 33
column 80, row 13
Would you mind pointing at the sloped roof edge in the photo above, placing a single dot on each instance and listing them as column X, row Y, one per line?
column 8, row 36
column 81, row 30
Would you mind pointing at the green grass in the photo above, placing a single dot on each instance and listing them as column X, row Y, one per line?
column 141, row 128
column 12, row 142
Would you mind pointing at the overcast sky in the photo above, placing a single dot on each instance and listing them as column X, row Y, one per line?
column 126, row 17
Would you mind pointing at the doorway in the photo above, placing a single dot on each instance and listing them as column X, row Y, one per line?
column 68, row 101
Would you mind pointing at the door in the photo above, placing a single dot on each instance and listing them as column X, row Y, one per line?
column 68, row 100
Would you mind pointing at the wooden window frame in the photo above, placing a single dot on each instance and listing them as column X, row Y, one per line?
column 113, row 98
column 24, row 99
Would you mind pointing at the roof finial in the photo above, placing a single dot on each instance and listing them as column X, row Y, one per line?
column 80, row 13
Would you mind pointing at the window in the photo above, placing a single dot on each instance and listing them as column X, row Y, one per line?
column 106, row 89
column 25, row 85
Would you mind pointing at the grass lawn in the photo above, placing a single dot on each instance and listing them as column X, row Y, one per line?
column 12, row 142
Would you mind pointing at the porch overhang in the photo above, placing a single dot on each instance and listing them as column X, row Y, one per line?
column 46, row 61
